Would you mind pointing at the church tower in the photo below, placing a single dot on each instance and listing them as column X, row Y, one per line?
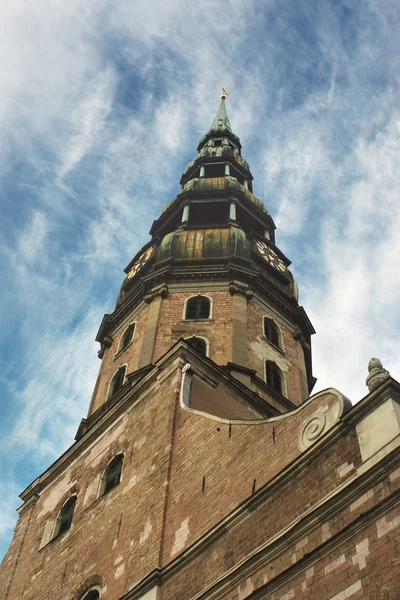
column 213, row 276
column 204, row 469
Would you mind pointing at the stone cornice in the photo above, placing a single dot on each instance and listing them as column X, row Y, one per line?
column 109, row 320
column 160, row 290
column 236, row 287
column 104, row 327
column 390, row 388
column 28, row 504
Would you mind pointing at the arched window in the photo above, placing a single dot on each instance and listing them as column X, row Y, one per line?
column 198, row 307
column 271, row 332
column 274, row 377
column 198, row 344
column 117, row 381
column 91, row 595
column 127, row 337
column 64, row 518
column 112, row 475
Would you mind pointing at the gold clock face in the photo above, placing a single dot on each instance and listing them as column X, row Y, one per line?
column 141, row 261
column 270, row 256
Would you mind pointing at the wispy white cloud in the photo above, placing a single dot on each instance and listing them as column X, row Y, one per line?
column 87, row 121
column 32, row 240
column 356, row 304
column 8, row 504
column 59, row 383
column 295, row 164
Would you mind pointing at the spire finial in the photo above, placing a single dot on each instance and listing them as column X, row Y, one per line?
column 224, row 94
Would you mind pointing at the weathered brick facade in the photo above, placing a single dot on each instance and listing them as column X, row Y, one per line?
column 219, row 330
column 235, row 483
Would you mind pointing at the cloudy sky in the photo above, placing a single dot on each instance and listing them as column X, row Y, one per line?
column 101, row 107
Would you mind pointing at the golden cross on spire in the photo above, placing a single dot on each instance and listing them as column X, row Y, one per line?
column 224, row 94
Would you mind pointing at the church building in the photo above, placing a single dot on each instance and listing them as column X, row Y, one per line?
column 206, row 469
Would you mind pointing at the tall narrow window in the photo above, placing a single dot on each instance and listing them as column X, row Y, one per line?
column 64, row 518
column 274, row 376
column 127, row 337
column 198, row 344
column 198, row 307
column 117, row 381
column 112, row 475
column 271, row 331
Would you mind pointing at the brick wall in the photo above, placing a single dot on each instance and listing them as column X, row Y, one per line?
column 355, row 553
column 217, row 330
column 290, row 359
column 232, row 457
column 115, row 538
column 113, row 359
column 329, row 565
column 304, row 525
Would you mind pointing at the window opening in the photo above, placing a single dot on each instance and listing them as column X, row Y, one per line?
column 65, row 515
column 237, row 175
column 198, row 307
column 215, row 170
column 112, row 474
column 117, row 381
column 92, row 595
column 207, row 213
column 217, row 142
column 271, row 331
column 274, row 377
column 127, row 337
column 248, row 222
column 198, row 344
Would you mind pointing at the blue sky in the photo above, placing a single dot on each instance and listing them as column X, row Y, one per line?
column 102, row 106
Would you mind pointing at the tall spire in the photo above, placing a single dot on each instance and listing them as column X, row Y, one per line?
column 220, row 127
column 221, row 121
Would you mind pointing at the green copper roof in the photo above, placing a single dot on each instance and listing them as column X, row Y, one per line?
column 221, row 120
column 200, row 184
column 220, row 125
column 196, row 244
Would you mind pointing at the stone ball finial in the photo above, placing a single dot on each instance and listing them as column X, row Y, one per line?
column 376, row 375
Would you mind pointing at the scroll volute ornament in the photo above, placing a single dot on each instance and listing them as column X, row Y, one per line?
column 330, row 406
